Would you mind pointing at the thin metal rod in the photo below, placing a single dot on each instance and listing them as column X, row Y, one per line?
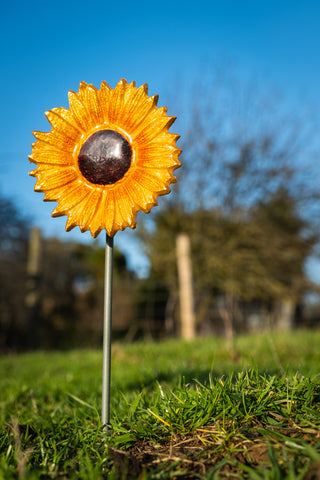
column 107, row 322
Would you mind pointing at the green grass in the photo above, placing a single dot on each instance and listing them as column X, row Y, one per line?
column 177, row 409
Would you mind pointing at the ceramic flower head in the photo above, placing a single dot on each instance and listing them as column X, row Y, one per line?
column 107, row 157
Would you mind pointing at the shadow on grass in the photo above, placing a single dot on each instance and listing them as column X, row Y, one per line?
column 187, row 376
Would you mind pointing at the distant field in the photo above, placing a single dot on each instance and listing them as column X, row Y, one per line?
column 177, row 409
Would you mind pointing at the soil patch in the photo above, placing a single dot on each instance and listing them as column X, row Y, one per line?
column 218, row 449
column 207, row 449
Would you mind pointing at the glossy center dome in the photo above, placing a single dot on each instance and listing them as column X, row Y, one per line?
column 105, row 157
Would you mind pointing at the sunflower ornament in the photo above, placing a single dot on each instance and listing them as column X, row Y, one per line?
column 107, row 157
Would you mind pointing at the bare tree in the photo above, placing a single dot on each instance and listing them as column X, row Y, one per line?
column 242, row 149
column 14, row 231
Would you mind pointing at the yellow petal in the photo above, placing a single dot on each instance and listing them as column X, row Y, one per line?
column 143, row 199
column 108, row 216
column 67, row 116
column 158, row 157
column 51, row 157
column 97, row 221
column 166, row 138
column 63, row 127
column 77, row 212
column 55, row 139
column 79, row 112
column 149, row 181
column 124, row 208
column 48, row 180
column 116, row 102
column 70, row 224
column 136, row 110
column 82, row 91
column 153, row 129
column 104, row 99
column 69, row 197
column 90, row 99
column 91, row 206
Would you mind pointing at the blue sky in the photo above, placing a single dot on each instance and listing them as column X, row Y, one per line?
column 47, row 48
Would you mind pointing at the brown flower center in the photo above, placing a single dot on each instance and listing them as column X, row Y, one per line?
column 105, row 157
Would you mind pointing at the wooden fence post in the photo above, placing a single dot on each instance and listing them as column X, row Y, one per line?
column 32, row 298
column 187, row 317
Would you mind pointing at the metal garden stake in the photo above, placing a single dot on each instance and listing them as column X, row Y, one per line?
column 106, row 157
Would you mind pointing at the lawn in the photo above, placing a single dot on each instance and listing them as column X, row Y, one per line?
column 178, row 410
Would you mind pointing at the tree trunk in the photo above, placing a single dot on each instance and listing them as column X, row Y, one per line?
column 285, row 317
column 227, row 315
